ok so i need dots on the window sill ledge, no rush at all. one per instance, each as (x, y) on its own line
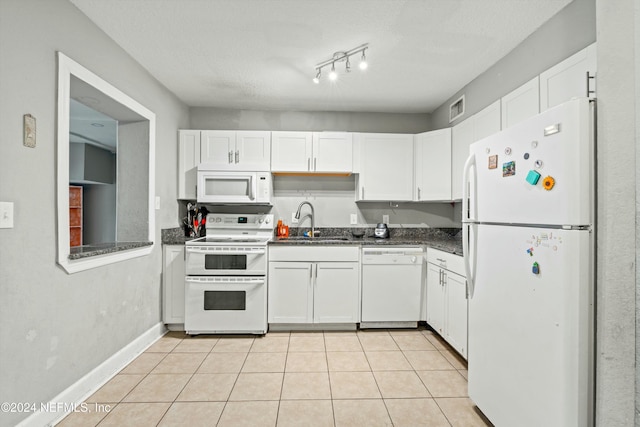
(93, 256)
(87, 251)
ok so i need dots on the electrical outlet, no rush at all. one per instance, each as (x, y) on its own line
(294, 220)
(6, 214)
(385, 219)
(354, 219)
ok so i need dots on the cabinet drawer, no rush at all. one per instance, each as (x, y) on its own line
(313, 253)
(446, 260)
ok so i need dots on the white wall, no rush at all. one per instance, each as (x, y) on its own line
(637, 73)
(616, 209)
(54, 327)
(133, 189)
(317, 121)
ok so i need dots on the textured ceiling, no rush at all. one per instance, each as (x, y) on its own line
(261, 54)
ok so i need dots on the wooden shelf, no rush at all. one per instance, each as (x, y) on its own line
(75, 216)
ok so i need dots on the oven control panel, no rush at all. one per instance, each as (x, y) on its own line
(235, 221)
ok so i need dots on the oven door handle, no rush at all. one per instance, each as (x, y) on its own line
(225, 252)
(208, 280)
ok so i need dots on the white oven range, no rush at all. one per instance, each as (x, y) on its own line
(226, 283)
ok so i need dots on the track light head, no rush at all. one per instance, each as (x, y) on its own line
(333, 76)
(316, 79)
(363, 61)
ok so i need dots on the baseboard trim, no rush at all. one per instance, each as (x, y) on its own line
(91, 382)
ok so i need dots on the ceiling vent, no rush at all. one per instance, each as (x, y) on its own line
(456, 109)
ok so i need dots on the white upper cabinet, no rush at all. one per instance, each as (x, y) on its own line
(217, 148)
(569, 79)
(433, 166)
(291, 151)
(332, 152)
(487, 122)
(482, 124)
(236, 150)
(253, 150)
(312, 152)
(521, 104)
(386, 167)
(461, 138)
(188, 160)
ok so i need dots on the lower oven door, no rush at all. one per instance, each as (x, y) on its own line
(225, 305)
(226, 261)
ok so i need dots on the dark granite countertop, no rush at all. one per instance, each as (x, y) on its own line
(444, 239)
(174, 236)
(86, 251)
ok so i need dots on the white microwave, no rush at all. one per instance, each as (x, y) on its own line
(245, 188)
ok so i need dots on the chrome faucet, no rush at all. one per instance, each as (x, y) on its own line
(313, 228)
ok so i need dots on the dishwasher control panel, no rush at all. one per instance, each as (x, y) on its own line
(392, 256)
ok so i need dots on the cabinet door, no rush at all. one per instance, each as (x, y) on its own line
(217, 149)
(456, 312)
(433, 166)
(435, 298)
(332, 152)
(568, 79)
(290, 292)
(521, 104)
(253, 151)
(487, 122)
(336, 292)
(173, 284)
(461, 139)
(188, 160)
(291, 151)
(386, 167)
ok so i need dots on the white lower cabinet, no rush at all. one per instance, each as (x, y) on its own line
(447, 308)
(173, 284)
(313, 285)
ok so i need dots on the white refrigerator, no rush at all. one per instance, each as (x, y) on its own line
(528, 213)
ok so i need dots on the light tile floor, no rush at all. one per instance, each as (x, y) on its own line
(365, 378)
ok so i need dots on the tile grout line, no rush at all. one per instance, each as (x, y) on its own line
(284, 373)
(326, 356)
(134, 387)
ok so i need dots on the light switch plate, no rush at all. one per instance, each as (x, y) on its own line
(385, 219)
(157, 202)
(6, 214)
(294, 220)
(354, 219)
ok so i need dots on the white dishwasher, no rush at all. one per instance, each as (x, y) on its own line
(392, 290)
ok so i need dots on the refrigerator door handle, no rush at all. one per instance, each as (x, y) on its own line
(467, 223)
(470, 250)
(467, 214)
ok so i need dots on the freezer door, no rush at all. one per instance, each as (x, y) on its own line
(530, 327)
(537, 172)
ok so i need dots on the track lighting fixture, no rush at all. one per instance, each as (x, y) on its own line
(341, 57)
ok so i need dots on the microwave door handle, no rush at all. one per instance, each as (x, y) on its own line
(252, 188)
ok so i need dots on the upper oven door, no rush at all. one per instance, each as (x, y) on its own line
(226, 261)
